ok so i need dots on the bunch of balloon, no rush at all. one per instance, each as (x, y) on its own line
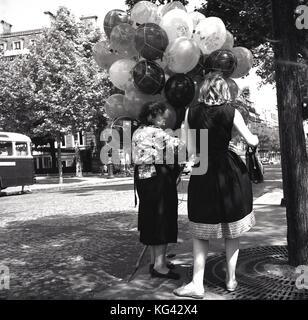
(162, 53)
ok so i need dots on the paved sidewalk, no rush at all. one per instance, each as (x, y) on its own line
(269, 231)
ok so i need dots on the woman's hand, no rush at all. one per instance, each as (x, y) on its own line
(241, 127)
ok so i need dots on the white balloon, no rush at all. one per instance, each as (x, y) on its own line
(196, 17)
(210, 34)
(182, 55)
(145, 12)
(177, 23)
(120, 73)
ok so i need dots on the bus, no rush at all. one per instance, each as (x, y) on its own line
(16, 161)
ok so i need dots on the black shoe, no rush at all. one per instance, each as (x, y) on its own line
(169, 275)
(170, 266)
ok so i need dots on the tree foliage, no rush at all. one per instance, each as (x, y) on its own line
(57, 88)
(251, 24)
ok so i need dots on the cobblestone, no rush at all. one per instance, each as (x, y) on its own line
(75, 242)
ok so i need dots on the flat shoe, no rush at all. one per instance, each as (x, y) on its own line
(170, 265)
(169, 275)
(231, 287)
(188, 293)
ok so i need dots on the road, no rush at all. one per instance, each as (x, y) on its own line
(73, 243)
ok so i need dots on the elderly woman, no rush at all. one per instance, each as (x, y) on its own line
(156, 186)
(220, 200)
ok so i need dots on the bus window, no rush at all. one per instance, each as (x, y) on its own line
(21, 148)
(6, 148)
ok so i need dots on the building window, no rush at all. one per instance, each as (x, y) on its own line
(47, 162)
(63, 141)
(79, 138)
(1, 47)
(17, 45)
(32, 42)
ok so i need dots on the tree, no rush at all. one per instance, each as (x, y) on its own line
(293, 151)
(70, 90)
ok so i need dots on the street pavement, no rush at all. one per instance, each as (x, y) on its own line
(80, 240)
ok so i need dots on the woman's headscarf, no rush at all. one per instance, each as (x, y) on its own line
(214, 90)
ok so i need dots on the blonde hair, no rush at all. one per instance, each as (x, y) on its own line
(214, 90)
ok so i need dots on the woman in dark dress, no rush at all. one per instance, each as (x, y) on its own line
(156, 187)
(219, 201)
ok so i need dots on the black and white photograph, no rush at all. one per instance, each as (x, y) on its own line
(154, 154)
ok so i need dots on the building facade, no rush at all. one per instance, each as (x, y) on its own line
(13, 44)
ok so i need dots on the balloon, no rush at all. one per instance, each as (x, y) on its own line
(151, 41)
(121, 73)
(182, 55)
(229, 43)
(170, 116)
(134, 101)
(196, 17)
(170, 6)
(221, 60)
(144, 12)
(114, 106)
(104, 55)
(180, 90)
(244, 62)
(210, 34)
(122, 39)
(177, 23)
(199, 69)
(233, 88)
(149, 77)
(113, 18)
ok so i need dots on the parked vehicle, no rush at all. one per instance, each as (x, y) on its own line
(16, 161)
(265, 161)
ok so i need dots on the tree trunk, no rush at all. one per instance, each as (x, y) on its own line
(53, 153)
(292, 141)
(78, 162)
(59, 159)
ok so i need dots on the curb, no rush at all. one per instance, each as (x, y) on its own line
(53, 187)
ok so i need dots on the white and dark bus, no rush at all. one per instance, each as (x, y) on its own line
(16, 161)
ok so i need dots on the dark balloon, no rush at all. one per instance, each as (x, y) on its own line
(221, 60)
(180, 90)
(113, 18)
(151, 41)
(199, 69)
(149, 77)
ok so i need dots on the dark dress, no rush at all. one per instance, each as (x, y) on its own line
(158, 207)
(220, 201)
(156, 186)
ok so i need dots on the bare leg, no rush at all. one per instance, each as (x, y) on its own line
(232, 251)
(200, 250)
(160, 258)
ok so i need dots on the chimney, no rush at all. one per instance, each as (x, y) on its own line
(6, 27)
(51, 15)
